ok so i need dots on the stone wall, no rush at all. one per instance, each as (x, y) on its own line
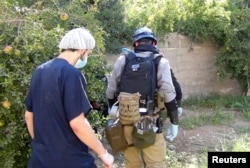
(193, 65)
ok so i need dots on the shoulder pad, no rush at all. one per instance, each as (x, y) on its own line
(156, 56)
(130, 56)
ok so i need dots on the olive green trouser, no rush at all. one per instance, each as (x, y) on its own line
(150, 157)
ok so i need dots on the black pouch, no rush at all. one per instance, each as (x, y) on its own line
(115, 135)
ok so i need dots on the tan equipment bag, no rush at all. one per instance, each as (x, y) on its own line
(129, 108)
(161, 106)
(115, 135)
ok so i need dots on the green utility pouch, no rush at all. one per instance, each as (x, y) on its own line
(143, 134)
(115, 135)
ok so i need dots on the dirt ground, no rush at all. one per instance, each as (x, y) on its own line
(210, 137)
(193, 141)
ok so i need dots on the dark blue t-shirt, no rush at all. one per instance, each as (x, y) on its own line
(56, 96)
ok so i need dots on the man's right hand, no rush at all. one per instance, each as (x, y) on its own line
(107, 160)
(172, 132)
(179, 111)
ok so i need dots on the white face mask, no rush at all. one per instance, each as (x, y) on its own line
(81, 63)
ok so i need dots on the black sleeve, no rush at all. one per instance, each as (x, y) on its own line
(177, 86)
(111, 102)
(172, 112)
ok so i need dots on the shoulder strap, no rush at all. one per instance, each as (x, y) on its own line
(156, 61)
(128, 57)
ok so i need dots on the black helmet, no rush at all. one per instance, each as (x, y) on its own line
(143, 32)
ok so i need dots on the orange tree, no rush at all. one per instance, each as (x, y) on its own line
(29, 35)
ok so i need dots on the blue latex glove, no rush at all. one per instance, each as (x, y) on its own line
(179, 111)
(172, 132)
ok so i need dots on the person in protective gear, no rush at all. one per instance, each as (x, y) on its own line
(144, 43)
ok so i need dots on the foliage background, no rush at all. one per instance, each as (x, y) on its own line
(33, 28)
(223, 21)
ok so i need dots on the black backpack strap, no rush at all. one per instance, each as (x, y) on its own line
(156, 61)
(130, 56)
